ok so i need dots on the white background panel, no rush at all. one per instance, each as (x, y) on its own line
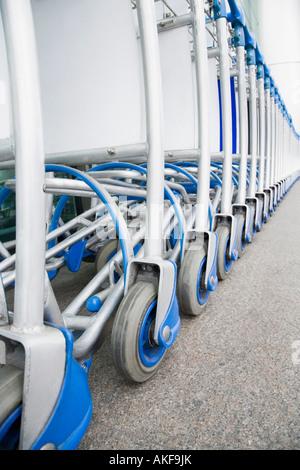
(179, 100)
(90, 73)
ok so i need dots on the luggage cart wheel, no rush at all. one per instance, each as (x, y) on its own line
(191, 292)
(224, 260)
(136, 356)
(241, 237)
(11, 392)
(105, 253)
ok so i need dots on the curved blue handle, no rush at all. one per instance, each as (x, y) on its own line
(267, 77)
(272, 87)
(250, 44)
(236, 14)
(219, 9)
(237, 18)
(260, 63)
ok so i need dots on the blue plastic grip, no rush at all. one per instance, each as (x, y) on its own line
(234, 8)
(236, 14)
(260, 71)
(267, 77)
(239, 35)
(267, 83)
(250, 44)
(260, 63)
(219, 9)
(237, 18)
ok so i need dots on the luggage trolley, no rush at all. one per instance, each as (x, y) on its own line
(260, 194)
(241, 210)
(38, 373)
(157, 270)
(225, 223)
(278, 158)
(147, 321)
(252, 200)
(268, 148)
(198, 271)
(157, 199)
(283, 147)
(37, 425)
(187, 145)
(273, 145)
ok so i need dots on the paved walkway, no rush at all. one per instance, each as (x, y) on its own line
(231, 380)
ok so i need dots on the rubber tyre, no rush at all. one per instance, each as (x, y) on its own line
(127, 332)
(241, 242)
(105, 253)
(223, 260)
(191, 293)
(11, 390)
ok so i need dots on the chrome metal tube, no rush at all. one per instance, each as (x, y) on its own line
(202, 80)
(131, 152)
(95, 156)
(166, 24)
(154, 120)
(222, 38)
(253, 131)
(102, 275)
(281, 174)
(243, 121)
(267, 181)
(97, 322)
(273, 142)
(28, 136)
(89, 337)
(262, 133)
(277, 115)
(65, 186)
(97, 280)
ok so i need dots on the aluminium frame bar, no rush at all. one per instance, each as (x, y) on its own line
(267, 182)
(262, 133)
(222, 38)
(154, 126)
(29, 163)
(253, 130)
(243, 121)
(202, 81)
